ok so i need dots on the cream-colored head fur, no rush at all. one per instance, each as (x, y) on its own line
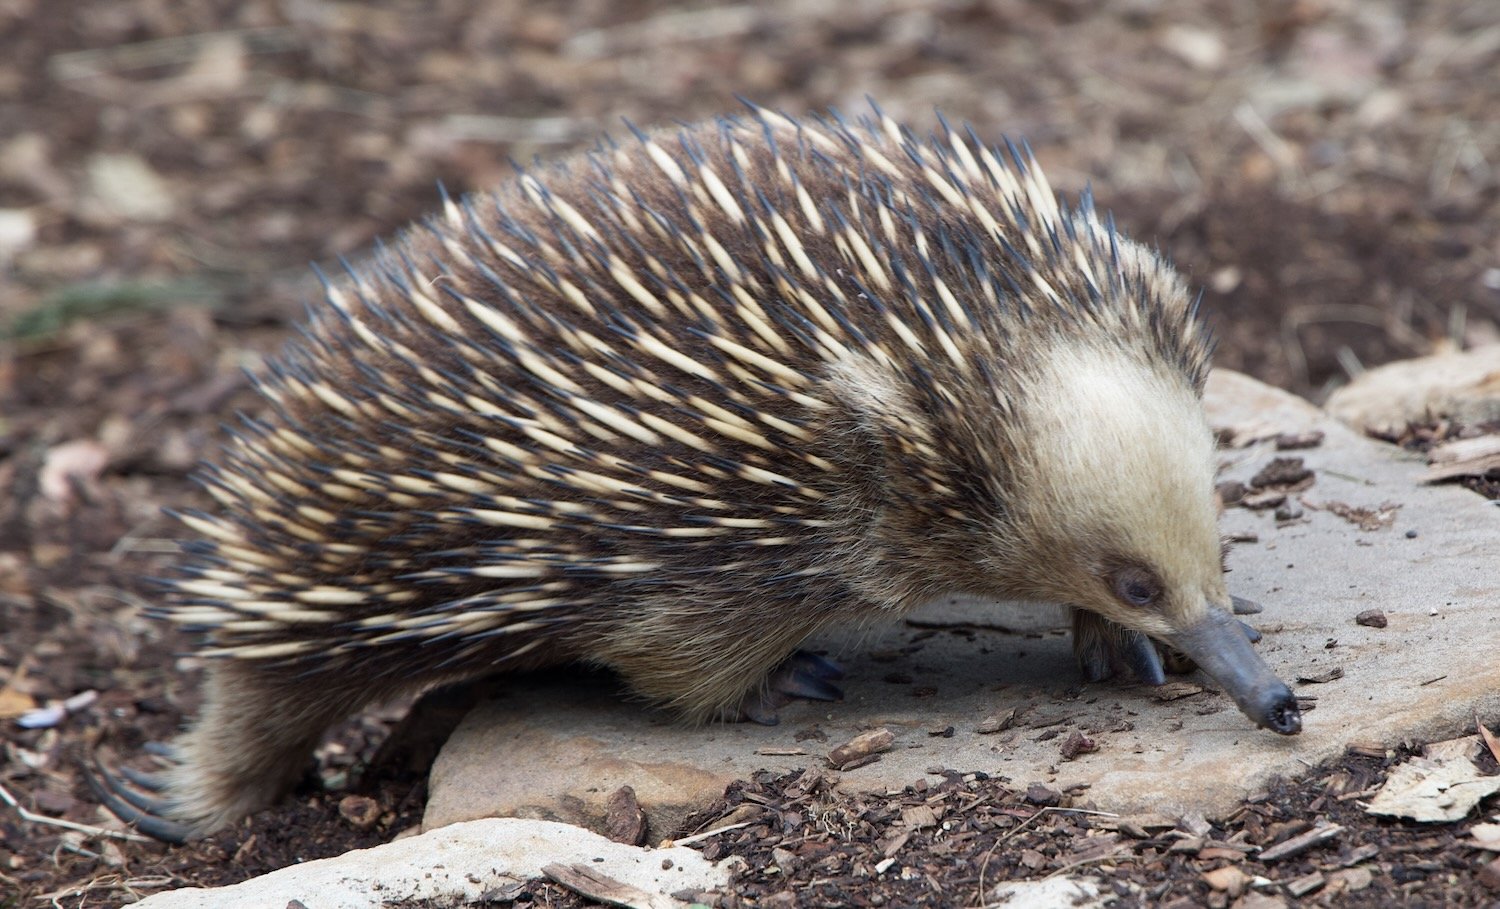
(1114, 489)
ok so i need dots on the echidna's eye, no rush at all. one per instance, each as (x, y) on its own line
(1136, 586)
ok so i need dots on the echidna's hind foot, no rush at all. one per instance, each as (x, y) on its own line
(254, 734)
(803, 675)
(1105, 649)
(144, 812)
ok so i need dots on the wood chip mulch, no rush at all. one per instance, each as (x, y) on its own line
(950, 842)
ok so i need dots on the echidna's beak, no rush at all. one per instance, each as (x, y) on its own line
(1221, 648)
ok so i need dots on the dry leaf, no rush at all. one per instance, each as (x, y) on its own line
(1442, 785)
(13, 703)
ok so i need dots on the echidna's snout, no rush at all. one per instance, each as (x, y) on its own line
(1220, 647)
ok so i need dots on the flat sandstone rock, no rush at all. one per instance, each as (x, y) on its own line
(458, 865)
(1369, 537)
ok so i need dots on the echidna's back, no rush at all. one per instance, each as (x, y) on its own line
(621, 383)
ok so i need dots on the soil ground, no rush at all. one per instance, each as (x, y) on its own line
(1327, 170)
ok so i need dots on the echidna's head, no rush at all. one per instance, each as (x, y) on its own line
(1113, 512)
(1091, 485)
(1112, 491)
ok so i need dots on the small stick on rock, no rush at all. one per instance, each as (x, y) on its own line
(585, 881)
(1301, 843)
(864, 745)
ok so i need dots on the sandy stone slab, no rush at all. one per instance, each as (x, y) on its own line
(1370, 536)
(456, 865)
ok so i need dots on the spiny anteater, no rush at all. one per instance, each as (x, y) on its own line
(673, 406)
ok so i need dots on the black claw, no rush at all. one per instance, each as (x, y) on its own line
(136, 800)
(799, 685)
(1090, 646)
(802, 675)
(815, 665)
(161, 749)
(133, 808)
(755, 708)
(806, 675)
(151, 782)
(1250, 631)
(1242, 606)
(1095, 664)
(1139, 653)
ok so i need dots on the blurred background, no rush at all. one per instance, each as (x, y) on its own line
(1326, 170)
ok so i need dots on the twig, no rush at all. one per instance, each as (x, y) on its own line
(35, 818)
(131, 885)
(1262, 134)
(1300, 843)
(1108, 856)
(1348, 477)
(164, 51)
(1397, 328)
(1458, 318)
(708, 833)
(1026, 823)
(718, 23)
(589, 882)
(1349, 360)
(1490, 742)
(530, 130)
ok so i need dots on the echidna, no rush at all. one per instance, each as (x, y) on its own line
(671, 407)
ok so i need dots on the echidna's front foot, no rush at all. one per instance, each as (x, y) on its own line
(1105, 648)
(145, 812)
(802, 675)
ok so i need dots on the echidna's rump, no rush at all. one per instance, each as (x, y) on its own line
(671, 407)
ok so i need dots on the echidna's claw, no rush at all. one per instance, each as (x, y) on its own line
(1139, 653)
(132, 807)
(1091, 645)
(807, 675)
(1094, 661)
(165, 750)
(802, 675)
(1242, 606)
(755, 708)
(809, 688)
(807, 662)
(151, 782)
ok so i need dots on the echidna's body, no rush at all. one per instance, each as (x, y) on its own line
(676, 405)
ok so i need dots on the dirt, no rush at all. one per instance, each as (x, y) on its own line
(1326, 171)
